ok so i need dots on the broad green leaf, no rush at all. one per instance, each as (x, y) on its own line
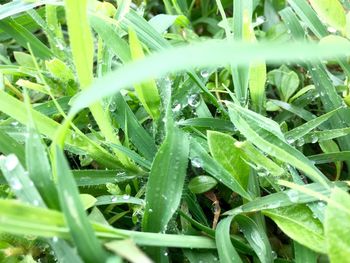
(165, 182)
(337, 226)
(19, 181)
(24, 59)
(201, 184)
(200, 157)
(147, 91)
(331, 11)
(299, 223)
(256, 237)
(254, 156)
(224, 151)
(227, 253)
(272, 145)
(80, 228)
(286, 81)
(303, 254)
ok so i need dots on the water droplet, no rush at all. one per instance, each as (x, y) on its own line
(293, 195)
(36, 202)
(11, 162)
(300, 142)
(314, 138)
(204, 73)
(121, 173)
(150, 210)
(126, 197)
(15, 123)
(177, 107)
(331, 30)
(194, 100)
(16, 184)
(112, 106)
(290, 140)
(166, 254)
(262, 171)
(274, 254)
(196, 162)
(55, 239)
(89, 126)
(114, 198)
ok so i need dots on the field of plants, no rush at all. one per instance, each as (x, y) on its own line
(174, 131)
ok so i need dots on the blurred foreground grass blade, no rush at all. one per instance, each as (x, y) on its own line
(206, 53)
(16, 7)
(299, 223)
(303, 254)
(227, 253)
(19, 181)
(165, 183)
(17, 110)
(128, 250)
(146, 91)
(242, 12)
(81, 43)
(25, 38)
(274, 146)
(256, 237)
(330, 157)
(77, 221)
(38, 166)
(337, 226)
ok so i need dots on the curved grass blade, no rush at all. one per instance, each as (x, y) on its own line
(227, 253)
(80, 228)
(210, 123)
(330, 157)
(326, 135)
(206, 53)
(114, 199)
(9, 145)
(256, 237)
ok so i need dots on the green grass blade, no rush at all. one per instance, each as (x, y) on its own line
(9, 145)
(80, 228)
(207, 53)
(256, 237)
(25, 38)
(304, 254)
(166, 181)
(227, 253)
(274, 146)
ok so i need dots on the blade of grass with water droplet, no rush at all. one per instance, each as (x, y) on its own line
(256, 237)
(273, 145)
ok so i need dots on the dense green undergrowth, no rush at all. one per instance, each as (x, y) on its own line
(174, 131)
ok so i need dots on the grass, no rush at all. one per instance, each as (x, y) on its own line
(174, 131)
